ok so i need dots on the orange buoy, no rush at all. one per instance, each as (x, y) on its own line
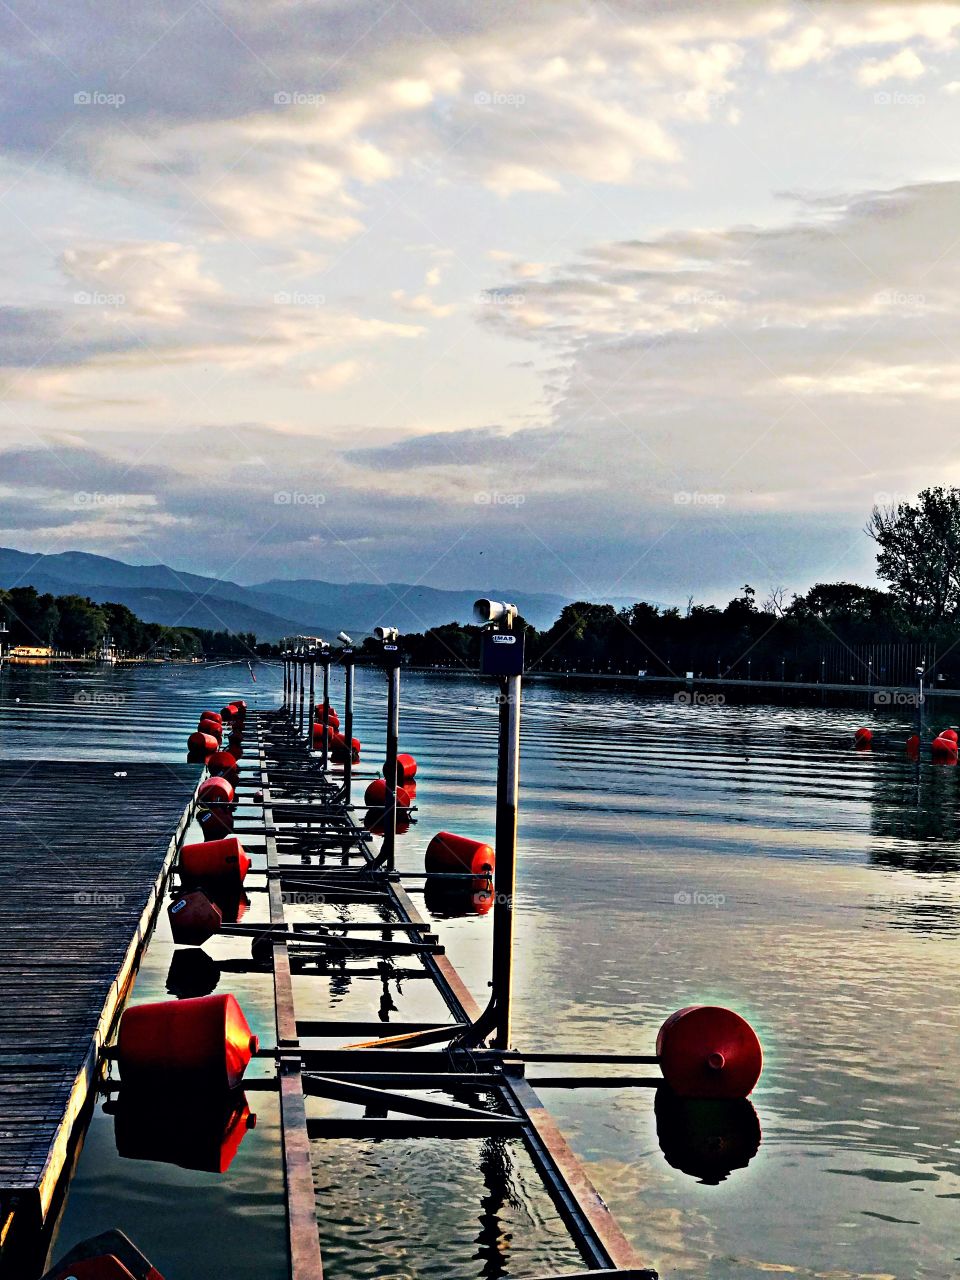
(206, 1040)
(202, 743)
(406, 768)
(375, 795)
(944, 750)
(194, 918)
(214, 860)
(224, 765)
(449, 853)
(863, 737)
(218, 790)
(706, 1051)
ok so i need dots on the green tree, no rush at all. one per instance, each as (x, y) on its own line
(919, 552)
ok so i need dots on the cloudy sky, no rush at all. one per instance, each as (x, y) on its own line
(617, 298)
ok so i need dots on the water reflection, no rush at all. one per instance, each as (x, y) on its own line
(706, 1138)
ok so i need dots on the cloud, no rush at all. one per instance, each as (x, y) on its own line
(904, 65)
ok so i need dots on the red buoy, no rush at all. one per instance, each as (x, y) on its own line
(332, 717)
(318, 735)
(223, 764)
(375, 795)
(709, 1052)
(211, 715)
(949, 733)
(214, 860)
(109, 1256)
(913, 745)
(406, 768)
(449, 853)
(338, 748)
(213, 727)
(240, 705)
(944, 750)
(230, 712)
(202, 744)
(216, 822)
(194, 918)
(863, 737)
(215, 791)
(206, 1040)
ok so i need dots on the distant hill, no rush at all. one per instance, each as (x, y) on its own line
(272, 609)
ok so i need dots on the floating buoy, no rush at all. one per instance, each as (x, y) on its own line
(406, 768)
(224, 765)
(213, 727)
(230, 712)
(221, 860)
(202, 744)
(205, 1041)
(110, 1256)
(339, 751)
(913, 745)
(375, 795)
(215, 823)
(218, 790)
(949, 733)
(194, 918)
(863, 737)
(212, 715)
(449, 853)
(240, 705)
(319, 732)
(706, 1051)
(944, 750)
(332, 717)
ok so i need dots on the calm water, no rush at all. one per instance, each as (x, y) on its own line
(669, 855)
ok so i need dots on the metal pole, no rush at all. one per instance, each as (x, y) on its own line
(284, 657)
(390, 764)
(313, 668)
(326, 701)
(348, 725)
(505, 875)
(302, 662)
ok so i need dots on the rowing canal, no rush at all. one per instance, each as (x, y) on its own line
(669, 854)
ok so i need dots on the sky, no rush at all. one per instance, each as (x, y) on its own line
(617, 299)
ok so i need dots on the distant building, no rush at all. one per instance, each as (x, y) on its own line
(30, 653)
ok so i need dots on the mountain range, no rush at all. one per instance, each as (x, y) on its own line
(157, 593)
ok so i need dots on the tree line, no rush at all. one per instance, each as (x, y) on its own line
(76, 625)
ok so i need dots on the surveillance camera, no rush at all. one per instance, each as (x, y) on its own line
(495, 611)
(389, 635)
(344, 638)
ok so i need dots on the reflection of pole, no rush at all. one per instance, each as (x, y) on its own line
(920, 701)
(326, 699)
(348, 725)
(285, 681)
(494, 1165)
(390, 764)
(505, 876)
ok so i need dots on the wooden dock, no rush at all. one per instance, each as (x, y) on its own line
(85, 850)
